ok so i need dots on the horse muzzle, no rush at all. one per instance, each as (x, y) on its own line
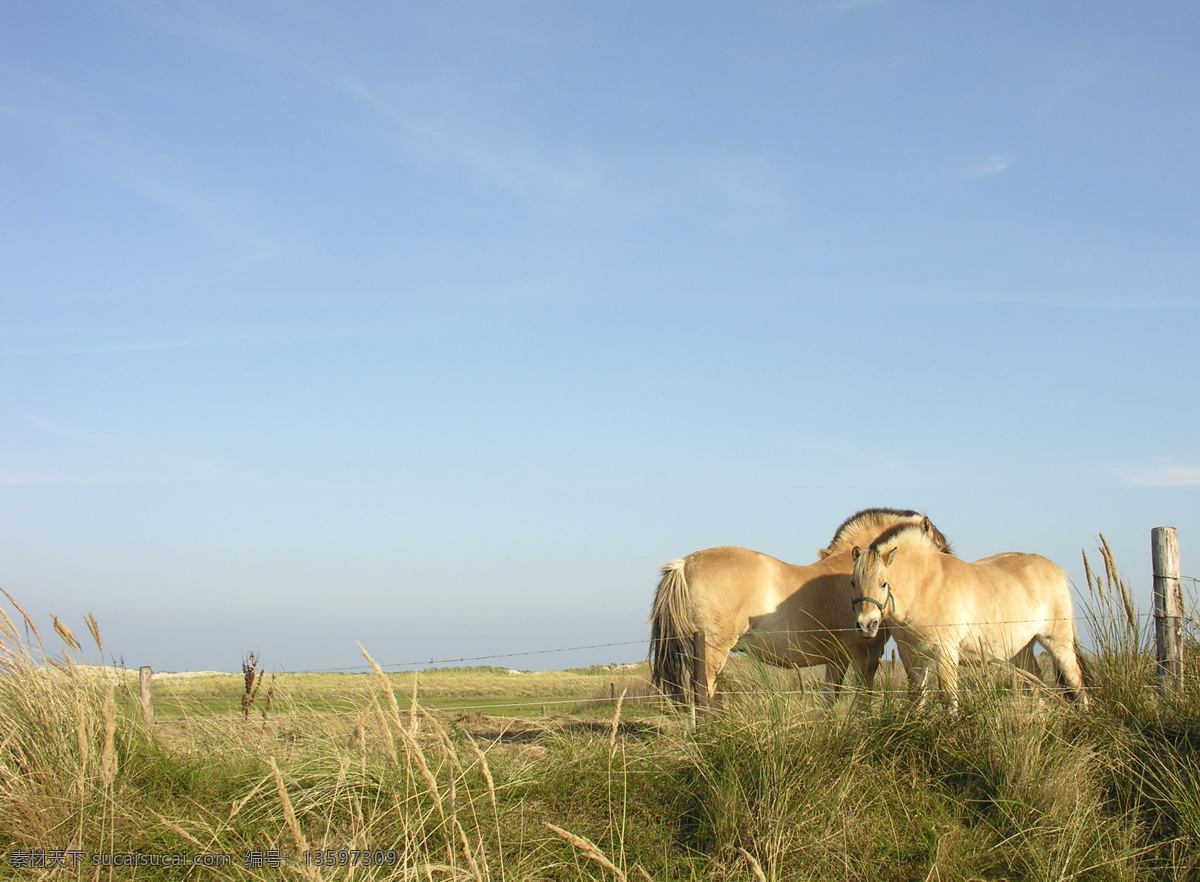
(867, 630)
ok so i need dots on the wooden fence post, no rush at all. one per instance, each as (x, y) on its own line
(699, 669)
(1168, 608)
(147, 698)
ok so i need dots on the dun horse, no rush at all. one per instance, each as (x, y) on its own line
(788, 615)
(942, 610)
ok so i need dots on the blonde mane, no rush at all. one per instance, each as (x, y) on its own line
(923, 533)
(863, 527)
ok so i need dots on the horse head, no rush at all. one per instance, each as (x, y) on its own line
(873, 594)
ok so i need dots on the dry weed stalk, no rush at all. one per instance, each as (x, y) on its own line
(588, 849)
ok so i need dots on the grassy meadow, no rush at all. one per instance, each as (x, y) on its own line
(482, 774)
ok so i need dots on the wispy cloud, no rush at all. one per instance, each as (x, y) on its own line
(1161, 476)
(493, 155)
(112, 148)
(992, 164)
(72, 458)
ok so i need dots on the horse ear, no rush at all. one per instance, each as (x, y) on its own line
(927, 525)
(888, 555)
(854, 552)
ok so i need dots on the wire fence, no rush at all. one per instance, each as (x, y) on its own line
(775, 634)
(1141, 623)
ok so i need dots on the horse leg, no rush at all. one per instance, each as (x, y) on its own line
(1062, 650)
(866, 660)
(868, 663)
(947, 671)
(1026, 661)
(916, 665)
(715, 657)
(835, 673)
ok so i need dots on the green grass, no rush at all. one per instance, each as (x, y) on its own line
(1013, 786)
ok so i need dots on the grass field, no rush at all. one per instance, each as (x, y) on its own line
(494, 775)
(492, 690)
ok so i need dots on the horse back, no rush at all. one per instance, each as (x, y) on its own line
(1014, 582)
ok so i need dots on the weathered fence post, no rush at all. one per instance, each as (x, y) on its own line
(699, 670)
(147, 698)
(1168, 608)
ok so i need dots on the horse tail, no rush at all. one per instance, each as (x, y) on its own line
(671, 633)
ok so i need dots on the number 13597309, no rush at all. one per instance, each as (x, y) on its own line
(350, 857)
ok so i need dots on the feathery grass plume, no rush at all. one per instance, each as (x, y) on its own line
(94, 629)
(484, 768)
(413, 722)
(486, 771)
(1093, 589)
(175, 828)
(29, 625)
(1110, 567)
(466, 848)
(358, 739)
(65, 633)
(7, 628)
(386, 729)
(387, 686)
(587, 848)
(616, 722)
(289, 813)
(755, 866)
(413, 749)
(442, 734)
(241, 803)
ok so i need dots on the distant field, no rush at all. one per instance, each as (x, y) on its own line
(496, 691)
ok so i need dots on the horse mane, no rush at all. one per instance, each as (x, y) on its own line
(922, 533)
(863, 528)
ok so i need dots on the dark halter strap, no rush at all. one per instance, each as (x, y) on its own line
(882, 606)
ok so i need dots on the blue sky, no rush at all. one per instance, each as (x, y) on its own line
(441, 327)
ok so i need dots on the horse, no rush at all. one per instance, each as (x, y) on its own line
(785, 614)
(943, 610)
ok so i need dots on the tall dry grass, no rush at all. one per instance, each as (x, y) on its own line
(1018, 784)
